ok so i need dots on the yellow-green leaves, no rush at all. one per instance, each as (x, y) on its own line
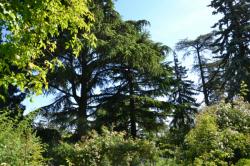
(18, 143)
(110, 148)
(29, 29)
(221, 133)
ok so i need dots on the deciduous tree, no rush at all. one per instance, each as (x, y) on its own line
(28, 28)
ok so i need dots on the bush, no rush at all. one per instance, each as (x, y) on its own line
(221, 135)
(110, 148)
(243, 162)
(18, 143)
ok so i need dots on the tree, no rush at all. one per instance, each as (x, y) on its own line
(138, 77)
(232, 44)
(120, 52)
(28, 28)
(221, 135)
(12, 98)
(185, 104)
(76, 83)
(197, 47)
(18, 143)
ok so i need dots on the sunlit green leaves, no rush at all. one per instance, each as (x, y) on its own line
(110, 148)
(28, 30)
(18, 143)
(221, 134)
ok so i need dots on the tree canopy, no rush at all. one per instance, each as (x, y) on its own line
(27, 32)
(118, 99)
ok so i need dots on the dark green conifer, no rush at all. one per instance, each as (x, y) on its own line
(138, 77)
(77, 82)
(186, 106)
(233, 44)
(197, 48)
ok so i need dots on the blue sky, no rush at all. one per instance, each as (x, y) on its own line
(171, 20)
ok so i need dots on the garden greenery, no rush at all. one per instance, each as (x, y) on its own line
(18, 143)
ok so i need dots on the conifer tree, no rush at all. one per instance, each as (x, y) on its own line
(122, 54)
(214, 81)
(76, 83)
(197, 47)
(186, 106)
(232, 43)
(138, 77)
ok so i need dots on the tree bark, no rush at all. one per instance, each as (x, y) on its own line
(205, 92)
(82, 124)
(132, 113)
(82, 121)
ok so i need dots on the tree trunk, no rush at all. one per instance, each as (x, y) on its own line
(205, 92)
(132, 107)
(132, 117)
(82, 121)
(82, 126)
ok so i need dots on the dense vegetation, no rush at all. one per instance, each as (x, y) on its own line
(115, 91)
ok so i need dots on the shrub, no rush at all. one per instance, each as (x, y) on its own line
(110, 148)
(221, 135)
(243, 162)
(18, 143)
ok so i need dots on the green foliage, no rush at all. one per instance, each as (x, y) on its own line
(183, 96)
(243, 162)
(12, 101)
(117, 80)
(125, 67)
(221, 135)
(243, 89)
(197, 48)
(109, 148)
(138, 77)
(75, 85)
(168, 162)
(18, 143)
(232, 45)
(28, 30)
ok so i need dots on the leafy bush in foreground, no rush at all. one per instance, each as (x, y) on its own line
(18, 143)
(221, 135)
(110, 148)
